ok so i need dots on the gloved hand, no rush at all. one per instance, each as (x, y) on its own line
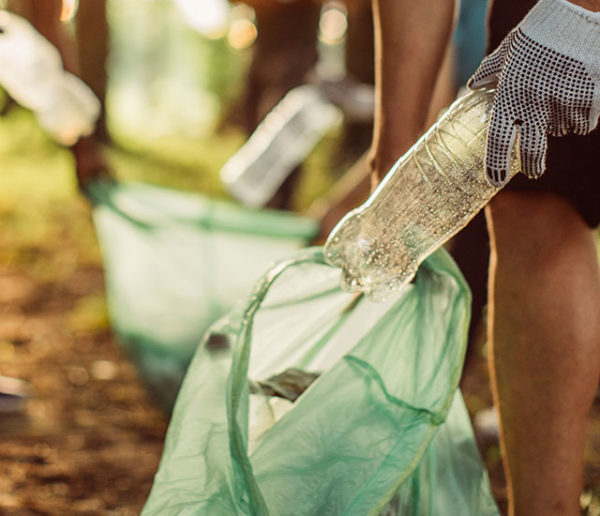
(547, 78)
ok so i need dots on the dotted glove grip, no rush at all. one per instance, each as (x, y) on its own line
(547, 78)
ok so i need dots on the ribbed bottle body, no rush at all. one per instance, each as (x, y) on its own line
(429, 195)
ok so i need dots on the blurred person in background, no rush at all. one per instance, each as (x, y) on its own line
(285, 55)
(284, 52)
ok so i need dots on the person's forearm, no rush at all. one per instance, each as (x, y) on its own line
(410, 41)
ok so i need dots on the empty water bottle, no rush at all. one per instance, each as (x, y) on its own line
(281, 142)
(355, 99)
(429, 195)
(31, 71)
(70, 111)
(27, 59)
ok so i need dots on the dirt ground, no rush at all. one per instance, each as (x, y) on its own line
(90, 439)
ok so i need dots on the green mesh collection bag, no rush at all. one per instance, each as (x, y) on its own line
(312, 401)
(175, 262)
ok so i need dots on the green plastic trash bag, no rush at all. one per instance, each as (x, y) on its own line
(378, 425)
(175, 262)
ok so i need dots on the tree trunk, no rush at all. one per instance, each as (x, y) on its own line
(92, 44)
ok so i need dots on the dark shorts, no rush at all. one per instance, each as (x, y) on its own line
(572, 161)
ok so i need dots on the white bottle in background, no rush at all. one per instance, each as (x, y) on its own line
(429, 195)
(280, 143)
(32, 73)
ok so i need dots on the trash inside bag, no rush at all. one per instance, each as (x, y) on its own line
(174, 263)
(310, 400)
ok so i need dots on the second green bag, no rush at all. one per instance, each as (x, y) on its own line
(174, 263)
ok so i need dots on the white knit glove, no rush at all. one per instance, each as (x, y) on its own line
(547, 78)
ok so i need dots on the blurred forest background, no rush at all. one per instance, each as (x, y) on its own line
(90, 437)
(178, 103)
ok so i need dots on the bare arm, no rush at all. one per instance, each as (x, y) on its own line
(410, 41)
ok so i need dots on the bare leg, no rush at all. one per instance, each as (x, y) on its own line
(545, 338)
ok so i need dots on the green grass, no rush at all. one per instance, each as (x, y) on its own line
(175, 162)
(41, 212)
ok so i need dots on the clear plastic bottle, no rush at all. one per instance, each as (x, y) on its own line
(27, 60)
(31, 71)
(429, 195)
(280, 143)
(70, 111)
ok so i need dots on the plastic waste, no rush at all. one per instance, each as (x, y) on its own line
(175, 262)
(14, 395)
(280, 143)
(355, 99)
(377, 425)
(31, 71)
(429, 195)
